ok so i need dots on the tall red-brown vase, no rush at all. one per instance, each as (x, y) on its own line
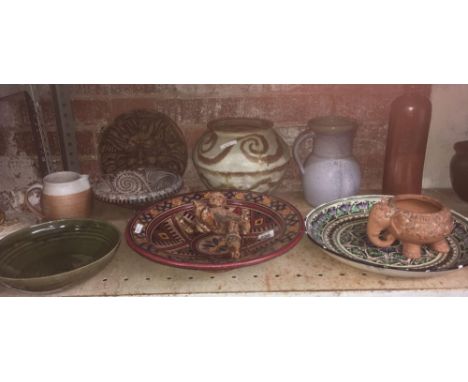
(410, 117)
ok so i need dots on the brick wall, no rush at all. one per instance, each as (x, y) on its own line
(192, 106)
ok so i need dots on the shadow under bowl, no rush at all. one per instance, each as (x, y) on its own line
(56, 254)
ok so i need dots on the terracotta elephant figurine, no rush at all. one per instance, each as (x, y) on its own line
(414, 220)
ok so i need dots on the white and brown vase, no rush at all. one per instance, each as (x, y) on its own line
(63, 194)
(242, 154)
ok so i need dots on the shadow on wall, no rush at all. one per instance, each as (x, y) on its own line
(449, 124)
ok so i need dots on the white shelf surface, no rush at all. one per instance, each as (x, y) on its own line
(304, 270)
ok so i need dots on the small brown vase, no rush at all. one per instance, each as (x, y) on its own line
(408, 129)
(414, 220)
(459, 170)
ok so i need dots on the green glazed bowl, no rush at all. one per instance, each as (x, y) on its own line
(56, 254)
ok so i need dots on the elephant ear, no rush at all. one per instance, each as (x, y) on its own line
(383, 208)
(385, 200)
(398, 222)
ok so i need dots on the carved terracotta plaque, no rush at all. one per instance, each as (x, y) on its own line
(143, 138)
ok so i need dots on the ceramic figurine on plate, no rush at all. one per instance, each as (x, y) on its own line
(215, 230)
(414, 220)
(242, 154)
(341, 227)
(330, 171)
(215, 217)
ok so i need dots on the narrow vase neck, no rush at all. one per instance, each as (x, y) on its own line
(334, 146)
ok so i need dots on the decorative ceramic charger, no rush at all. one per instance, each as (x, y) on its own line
(339, 227)
(143, 138)
(136, 187)
(276, 227)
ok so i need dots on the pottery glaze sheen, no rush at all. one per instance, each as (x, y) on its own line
(330, 172)
(241, 153)
(408, 129)
(64, 194)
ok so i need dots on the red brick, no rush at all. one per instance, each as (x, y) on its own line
(170, 107)
(364, 108)
(84, 139)
(374, 89)
(300, 88)
(280, 108)
(202, 110)
(88, 90)
(371, 103)
(191, 178)
(367, 89)
(86, 143)
(421, 89)
(125, 105)
(221, 90)
(90, 113)
(372, 178)
(293, 108)
(142, 89)
(24, 141)
(208, 90)
(246, 90)
(89, 166)
(372, 131)
(192, 135)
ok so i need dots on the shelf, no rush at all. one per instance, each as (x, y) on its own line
(305, 270)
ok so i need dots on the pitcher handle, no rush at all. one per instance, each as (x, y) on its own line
(33, 209)
(297, 144)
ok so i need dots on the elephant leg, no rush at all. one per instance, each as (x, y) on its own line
(441, 246)
(411, 251)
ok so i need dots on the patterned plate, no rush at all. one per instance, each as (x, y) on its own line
(276, 227)
(143, 138)
(136, 188)
(339, 227)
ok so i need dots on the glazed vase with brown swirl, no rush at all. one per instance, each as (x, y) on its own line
(242, 154)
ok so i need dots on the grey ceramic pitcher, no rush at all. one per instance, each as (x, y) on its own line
(330, 171)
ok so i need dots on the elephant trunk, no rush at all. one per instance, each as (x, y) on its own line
(375, 239)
